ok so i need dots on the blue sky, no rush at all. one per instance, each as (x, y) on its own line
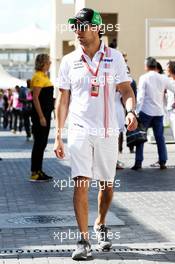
(17, 14)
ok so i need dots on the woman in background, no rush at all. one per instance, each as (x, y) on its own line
(43, 105)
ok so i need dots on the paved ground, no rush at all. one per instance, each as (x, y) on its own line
(144, 200)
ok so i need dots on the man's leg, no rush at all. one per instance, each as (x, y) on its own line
(27, 122)
(139, 154)
(81, 152)
(80, 200)
(104, 170)
(10, 119)
(120, 142)
(146, 121)
(40, 142)
(105, 153)
(20, 116)
(157, 125)
(104, 201)
(15, 119)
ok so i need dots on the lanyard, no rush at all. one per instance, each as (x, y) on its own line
(90, 69)
(106, 88)
(106, 97)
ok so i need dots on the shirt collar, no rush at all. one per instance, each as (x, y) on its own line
(102, 48)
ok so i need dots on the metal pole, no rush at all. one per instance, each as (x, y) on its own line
(54, 41)
(79, 4)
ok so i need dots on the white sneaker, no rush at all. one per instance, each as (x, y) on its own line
(83, 250)
(102, 237)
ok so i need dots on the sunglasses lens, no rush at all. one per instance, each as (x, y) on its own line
(79, 27)
(73, 28)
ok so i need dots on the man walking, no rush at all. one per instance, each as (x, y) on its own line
(87, 81)
(150, 107)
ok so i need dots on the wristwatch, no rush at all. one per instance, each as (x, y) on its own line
(131, 111)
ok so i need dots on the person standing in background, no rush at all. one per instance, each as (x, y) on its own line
(25, 97)
(171, 96)
(160, 70)
(1, 107)
(134, 88)
(43, 105)
(10, 109)
(113, 44)
(120, 112)
(150, 107)
(1, 110)
(17, 110)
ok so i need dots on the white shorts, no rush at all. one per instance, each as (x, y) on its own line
(93, 156)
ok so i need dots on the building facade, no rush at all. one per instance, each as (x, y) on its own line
(133, 17)
(19, 49)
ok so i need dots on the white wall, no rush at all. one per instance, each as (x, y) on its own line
(60, 15)
(131, 16)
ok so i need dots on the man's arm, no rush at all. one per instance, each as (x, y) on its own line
(170, 85)
(140, 94)
(61, 111)
(36, 102)
(128, 98)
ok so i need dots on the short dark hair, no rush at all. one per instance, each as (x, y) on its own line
(28, 83)
(17, 87)
(151, 63)
(171, 66)
(159, 68)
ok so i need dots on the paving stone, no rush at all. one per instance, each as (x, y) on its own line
(144, 201)
(11, 261)
(26, 261)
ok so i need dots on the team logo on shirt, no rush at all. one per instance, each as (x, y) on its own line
(78, 64)
(108, 60)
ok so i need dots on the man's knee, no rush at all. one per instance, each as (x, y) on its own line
(106, 186)
(159, 138)
(81, 183)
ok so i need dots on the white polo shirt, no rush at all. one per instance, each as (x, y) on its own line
(150, 93)
(85, 110)
(171, 95)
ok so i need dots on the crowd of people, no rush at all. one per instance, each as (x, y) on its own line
(155, 101)
(155, 90)
(155, 105)
(30, 108)
(16, 109)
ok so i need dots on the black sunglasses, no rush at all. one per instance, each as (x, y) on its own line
(80, 27)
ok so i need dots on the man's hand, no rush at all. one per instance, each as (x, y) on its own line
(131, 122)
(59, 148)
(173, 105)
(43, 121)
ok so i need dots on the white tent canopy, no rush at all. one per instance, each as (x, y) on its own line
(28, 38)
(8, 81)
